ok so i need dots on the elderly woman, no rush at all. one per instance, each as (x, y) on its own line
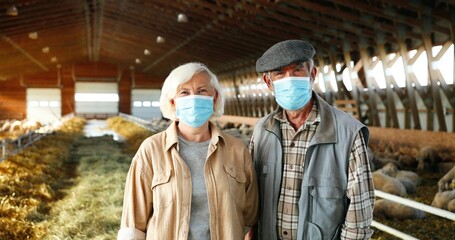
(191, 181)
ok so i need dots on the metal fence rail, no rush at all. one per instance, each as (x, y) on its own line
(410, 203)
(392, 231)
(12, 147)
(143, 123)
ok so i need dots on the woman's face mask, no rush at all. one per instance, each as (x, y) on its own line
(292, 93)
(194, 110)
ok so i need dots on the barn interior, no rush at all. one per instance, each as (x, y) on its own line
(388, 63)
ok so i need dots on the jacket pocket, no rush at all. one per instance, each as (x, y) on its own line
(327, 208)
(314, 233)
(236, 179)
(235, 173)
(162, 189)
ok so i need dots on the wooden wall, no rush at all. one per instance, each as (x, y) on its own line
(12, 100)
(13, 91)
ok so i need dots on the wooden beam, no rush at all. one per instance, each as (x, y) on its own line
(97, 28)
(373, 114)
(411, 105)
(357, 87)
(434, 86)
(24, 52)
(391, 113)
(319, 23)
(379, 12)
(89, 31)
(419, 7)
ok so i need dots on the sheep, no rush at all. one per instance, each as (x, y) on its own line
(393, 210)
(388, 184)
(407, 157)
(409, 179)
(31, 125)
(451, 205)
(407, 161)
(428, 158)
(246, 130)
(15, 126)
(445, 200)
(447, 182)
(5, 127)
(445, 167)
(382, 161)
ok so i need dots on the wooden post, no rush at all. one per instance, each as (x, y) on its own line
(434, 85)
(373, 113)
(391, 111)
(357, 87)
(409, 88)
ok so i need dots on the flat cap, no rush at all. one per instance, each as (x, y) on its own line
(283, 54)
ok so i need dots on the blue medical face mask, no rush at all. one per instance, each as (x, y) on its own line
(292, 93)
(194, 110)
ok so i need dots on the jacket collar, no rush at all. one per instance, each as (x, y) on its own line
(172, 135)
(325, 132)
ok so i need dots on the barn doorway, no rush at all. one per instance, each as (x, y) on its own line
(44, 104)
(145, 103)
(96, 99)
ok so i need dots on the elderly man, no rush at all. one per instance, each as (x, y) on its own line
(314, 177)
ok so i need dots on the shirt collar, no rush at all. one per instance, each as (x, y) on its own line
(172, 135)
(313, 117)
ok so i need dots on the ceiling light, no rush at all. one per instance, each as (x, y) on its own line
(182, 18)
(138, 61)
(45, 50)
(54, 59)
(160, 39)
(12, 11)
(33, 35)
(146, 52)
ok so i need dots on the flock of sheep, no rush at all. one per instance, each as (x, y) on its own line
(14, 128)
(389, 178)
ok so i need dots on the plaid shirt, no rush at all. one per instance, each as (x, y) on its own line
(295, 145)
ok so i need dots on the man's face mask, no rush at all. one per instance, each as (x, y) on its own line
(194, 110)
(292, 93)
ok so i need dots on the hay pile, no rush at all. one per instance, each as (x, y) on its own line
(133, 133)
(28, 182)
(92, 204)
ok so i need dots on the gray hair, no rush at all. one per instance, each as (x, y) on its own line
(310, 66)
(181, 75)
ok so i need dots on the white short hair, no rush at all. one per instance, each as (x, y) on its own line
(181, 75)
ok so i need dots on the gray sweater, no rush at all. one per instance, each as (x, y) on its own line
(195, 155)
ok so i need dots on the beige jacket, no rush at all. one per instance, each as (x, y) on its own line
(158, 189)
